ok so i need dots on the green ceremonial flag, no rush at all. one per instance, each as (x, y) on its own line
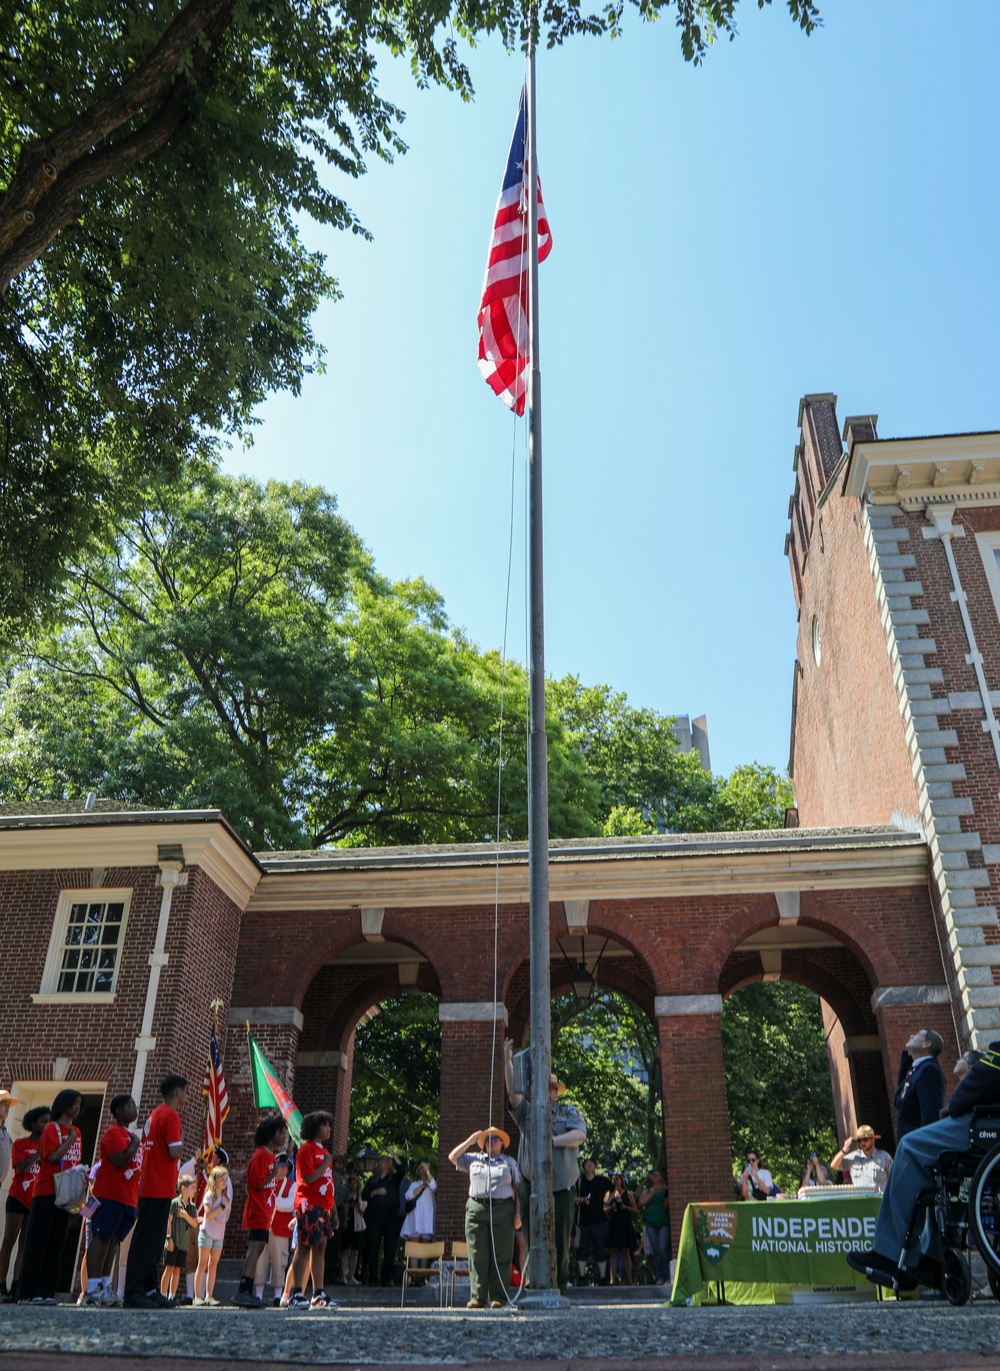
(268, 1091)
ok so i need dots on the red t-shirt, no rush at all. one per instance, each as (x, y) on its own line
(260, 1191)
(158, 1176)
(23, 1182)
(53, 1137)
(281, 1219)
(309, 1156)
(119, 1183)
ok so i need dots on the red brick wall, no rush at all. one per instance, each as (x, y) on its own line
(850, 764)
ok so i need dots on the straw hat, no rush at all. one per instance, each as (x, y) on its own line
(492, 1132)
(557, 1084)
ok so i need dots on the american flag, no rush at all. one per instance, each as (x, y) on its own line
(214, 1089)
(503, 311)
(90, 1208)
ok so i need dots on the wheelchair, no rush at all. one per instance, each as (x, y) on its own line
(962, 1210)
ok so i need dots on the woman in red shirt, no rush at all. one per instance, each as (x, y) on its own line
(59, 1149)
(24, 1166)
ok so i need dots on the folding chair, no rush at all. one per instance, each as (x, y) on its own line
(458, 1266)
(422, 1259)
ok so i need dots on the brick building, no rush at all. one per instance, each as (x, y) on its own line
(120, 927)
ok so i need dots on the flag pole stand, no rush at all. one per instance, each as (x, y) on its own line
(543, 1290)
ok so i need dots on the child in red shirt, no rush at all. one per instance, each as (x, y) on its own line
(24, 1168)
(117, 1188)
(161, 1151)
(315, 1215)
(59, 1149)
(266, 1169)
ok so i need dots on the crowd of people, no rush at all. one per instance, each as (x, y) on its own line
(155, 1227)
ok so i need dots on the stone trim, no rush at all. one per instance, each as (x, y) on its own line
(472, 1011)
(371, 924)
(891, 996)
(788, 907)
(926, 725)
(321, 1059)
(266, 1014)
(665, 1005)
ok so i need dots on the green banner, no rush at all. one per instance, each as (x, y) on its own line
(784, 1242)
(268, 1092)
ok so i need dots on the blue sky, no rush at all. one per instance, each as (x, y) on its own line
(798, 215)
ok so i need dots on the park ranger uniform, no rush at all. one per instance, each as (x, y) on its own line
(492, 1185)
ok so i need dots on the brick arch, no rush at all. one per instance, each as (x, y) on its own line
(745, 968)
(623, 979)
(322, 945)
(604, 921)
(352, 1008)
(825, 914)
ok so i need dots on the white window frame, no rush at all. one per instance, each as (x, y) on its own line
(50, 992)
(989, 545)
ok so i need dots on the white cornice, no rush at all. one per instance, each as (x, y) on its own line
(961, 468)
(606, 877)
(210, 846)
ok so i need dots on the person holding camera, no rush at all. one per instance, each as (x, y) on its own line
(865, 1164)
(756, 1182)
(815, 1173)
(266, 1169)
(621, 1209)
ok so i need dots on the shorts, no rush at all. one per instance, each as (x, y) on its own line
(14, 1206)
(112, 1219)
(258, 1234)
(314, 1225)
(206, 1241)
(176, 1258)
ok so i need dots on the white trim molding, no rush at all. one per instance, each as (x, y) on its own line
(472, 1011)
(666, 1005)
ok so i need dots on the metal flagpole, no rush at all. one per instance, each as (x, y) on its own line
(542, 1251)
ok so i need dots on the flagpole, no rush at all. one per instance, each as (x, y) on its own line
(542, 1250)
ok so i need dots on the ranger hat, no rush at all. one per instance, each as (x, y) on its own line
(492, 1132)
(866, 1131)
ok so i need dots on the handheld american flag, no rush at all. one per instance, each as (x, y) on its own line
(216, 1095)
(503, 311)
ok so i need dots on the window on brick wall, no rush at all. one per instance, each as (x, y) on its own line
(989, 548)
(86, 945)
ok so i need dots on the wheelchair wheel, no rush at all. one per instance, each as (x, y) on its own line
(957, 1279)
(984, 1211)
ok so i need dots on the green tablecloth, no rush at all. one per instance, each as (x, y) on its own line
(779, 1243)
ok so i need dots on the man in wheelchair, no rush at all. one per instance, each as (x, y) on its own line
(924, 1168)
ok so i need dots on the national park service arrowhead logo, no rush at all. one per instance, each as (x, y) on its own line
(715, 1232)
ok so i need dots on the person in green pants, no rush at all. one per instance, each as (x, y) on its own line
(569, 1133)
(490, 1213)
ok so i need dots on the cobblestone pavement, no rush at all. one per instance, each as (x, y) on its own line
(885, 1336)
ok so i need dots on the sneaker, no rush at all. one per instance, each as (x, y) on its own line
(198, 1302)
(322, 1300)
(111, 1299)
(496, 1304)
(213, 1303)
(474, 1304)
(140, 1301)
(246, 1299)
(37, 1299)
(90, 1298)
(296, 1301)
(49, 1299)
(276, 1302)
(161, 1301)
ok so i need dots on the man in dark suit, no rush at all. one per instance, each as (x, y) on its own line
(920, 1086)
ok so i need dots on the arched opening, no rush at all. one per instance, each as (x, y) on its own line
(607, 1052)
(778, 1079)
(396, 1077)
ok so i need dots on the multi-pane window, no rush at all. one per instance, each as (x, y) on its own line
(91, 947)
(85, 950)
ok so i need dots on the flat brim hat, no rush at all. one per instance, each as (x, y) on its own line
(7, 1098)
(560, 1086)
(866, 1131)
(493, 1133)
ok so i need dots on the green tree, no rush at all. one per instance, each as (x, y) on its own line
(396, 1082)
(753, 796)
(155, 160)
(778, 1077)
(606, 1051)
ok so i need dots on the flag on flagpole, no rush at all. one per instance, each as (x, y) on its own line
(504, 337)
(269, 1093)
(216, 1096)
